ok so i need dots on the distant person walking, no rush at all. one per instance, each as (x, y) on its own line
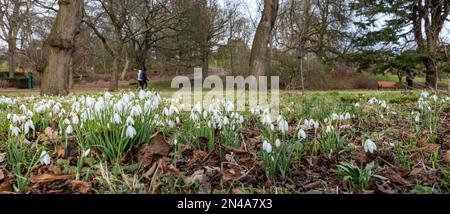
(410, 80)
(142, 79)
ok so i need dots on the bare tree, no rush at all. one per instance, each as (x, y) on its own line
(12, 17)
(260, 59)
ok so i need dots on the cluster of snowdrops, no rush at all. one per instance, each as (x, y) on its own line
(114, 123)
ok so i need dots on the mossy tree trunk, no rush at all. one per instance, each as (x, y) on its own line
(59, 47)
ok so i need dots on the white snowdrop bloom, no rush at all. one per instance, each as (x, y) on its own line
(76, 107)
(370, 146)
(307, 124)
(90, 102)
(23, 108)
(301, 134)
(69, 130)
(66, 121)
(266, 119)
(278, 143)
(373, 101)
(315, 124)
(193, 117)
(56, 108)
(75, 119)
(175, 142)
(334, 116)
(425, 94)
(205, 115)
(28, 126)
(142, 94)
(283, 126)
(166, 112)
(15, 118)
(272, 127)
(15, 131)
(417, 119)
(174, 110)
(130, 121)
(348, 116)
(29, 113)
(86, 153)
(357, 105)
(434, 98)
(329, 129)
(177, 120)
(241, 119)
(225, 121)
(45, 158)
(267, 147)
(136, 111)
(130, 132)
(197, 108)
(171, 124)
(383, 104)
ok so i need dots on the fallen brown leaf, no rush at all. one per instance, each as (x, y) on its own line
(2, 175)
(6, 186)
(200, 155)
(416, 171)
(447, 157)
(2, 157)
(80, 186)
(50, 133)
(197, 176)
(232, 172)
(396, 178)
(237, 191)
(158, 148)
(48, 178)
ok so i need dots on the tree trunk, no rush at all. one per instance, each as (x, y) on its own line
(12, 57)
(59, 47)
(125, 68)
(114, 84)
(260, 59)
(431, 74)
(205, 62)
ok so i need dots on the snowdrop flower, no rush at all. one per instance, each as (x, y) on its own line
(417, 119)
(136, 111)
(75, 119)
(177, 120)
(330, 129)
(334, 116)
(357, 105)
(347, 116)
(175, 142)
(373, 101)
(86, 153)
(130, 132)
(66, 121)
(266, 120)
(15, 118)
(272, 127)
(117, 119)
(301, 134)
(45, 158)
(23, 108)
(307, 123)
(267, 147)
(28, 126)
(142, 94)
(69, 130)
(15, 131)
(130, 121)
(434, 97)
(278, 143)
(370, 146)
(424, 94)
(283, 125)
